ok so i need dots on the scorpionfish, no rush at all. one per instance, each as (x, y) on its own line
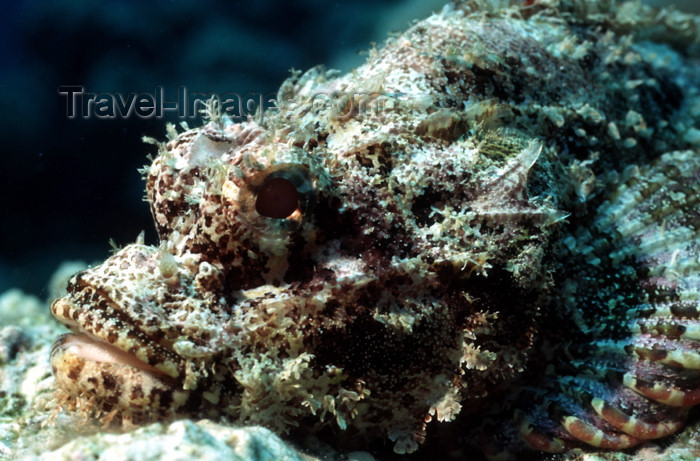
(482, 240)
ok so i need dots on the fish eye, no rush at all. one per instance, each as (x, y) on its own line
(277, 198)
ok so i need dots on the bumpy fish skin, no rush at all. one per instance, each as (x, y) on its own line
(494, 221)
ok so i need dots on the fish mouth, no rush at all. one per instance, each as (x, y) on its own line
(102, 334)
(108, 367)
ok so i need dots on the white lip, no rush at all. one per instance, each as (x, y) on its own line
(89, 348)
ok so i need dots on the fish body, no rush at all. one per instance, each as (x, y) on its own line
(488, 232)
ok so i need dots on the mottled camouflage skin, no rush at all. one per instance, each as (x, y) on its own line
(497, 223)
